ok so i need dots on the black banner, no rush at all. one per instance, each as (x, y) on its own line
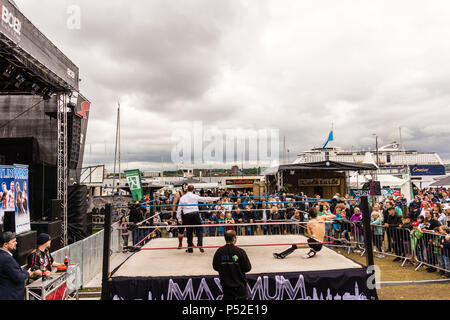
(344, 284)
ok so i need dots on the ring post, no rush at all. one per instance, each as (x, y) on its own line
(368, 239)
(106, 250)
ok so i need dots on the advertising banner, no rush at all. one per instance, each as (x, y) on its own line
(357, 193)
(345, 284)
(241, 182)
(22, 205)
(134, 182)
(14, 195)
(7, 192)
(424, 170)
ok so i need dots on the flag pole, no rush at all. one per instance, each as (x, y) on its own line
(115, 156)
(118, 128)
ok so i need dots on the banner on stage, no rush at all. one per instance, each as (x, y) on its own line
(344, 284)
(14, 195)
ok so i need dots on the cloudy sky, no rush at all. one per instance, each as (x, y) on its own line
(294, 66)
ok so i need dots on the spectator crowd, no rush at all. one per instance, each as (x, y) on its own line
(416, 232)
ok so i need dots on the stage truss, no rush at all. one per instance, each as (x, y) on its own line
(62, 162)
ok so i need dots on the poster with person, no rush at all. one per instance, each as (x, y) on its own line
(22, 207)
(7, 190)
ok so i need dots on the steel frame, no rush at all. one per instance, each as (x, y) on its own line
(62, 110)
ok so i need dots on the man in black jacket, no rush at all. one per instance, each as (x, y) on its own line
(12, 278)
(232, 263)
(392, 222)
(414, 208)
(137, 216)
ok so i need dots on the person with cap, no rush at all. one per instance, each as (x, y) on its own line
(232, 263)
(12, 277)
(188, 214)
(40, 258)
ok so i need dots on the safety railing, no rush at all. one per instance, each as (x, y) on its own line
(411, 245)
(88, 253)
(431, 249)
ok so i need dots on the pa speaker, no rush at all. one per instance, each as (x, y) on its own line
(55, 210)
(9, 221)
(26, 242)
(52, 228)
(56, 244)
(74, 137)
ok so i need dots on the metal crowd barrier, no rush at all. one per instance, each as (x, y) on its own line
(411, 246)
(88, 254)
(428, 251)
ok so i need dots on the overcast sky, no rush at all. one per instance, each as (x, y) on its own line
(297, 66)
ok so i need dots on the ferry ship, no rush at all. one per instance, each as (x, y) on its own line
(423, 167)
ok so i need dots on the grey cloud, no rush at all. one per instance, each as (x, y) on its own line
(368, 67)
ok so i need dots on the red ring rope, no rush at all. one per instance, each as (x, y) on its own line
(243, 245)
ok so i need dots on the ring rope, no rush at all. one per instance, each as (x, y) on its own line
(243, 245)
(231, 203)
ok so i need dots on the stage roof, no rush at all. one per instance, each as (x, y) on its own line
(25, 51)
(322, 165)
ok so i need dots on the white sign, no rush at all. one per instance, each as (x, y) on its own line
(10, 20)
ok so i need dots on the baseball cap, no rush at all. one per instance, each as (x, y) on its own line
(415, 223)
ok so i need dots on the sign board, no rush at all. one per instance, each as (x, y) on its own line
(357, 193)
(14, 195)
(241, 182)
(427, 170)
(92, 174)
(319, 182)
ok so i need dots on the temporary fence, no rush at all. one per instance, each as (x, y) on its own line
(88, 254)
(411, 245)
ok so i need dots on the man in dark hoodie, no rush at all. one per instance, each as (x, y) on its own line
(232, 263)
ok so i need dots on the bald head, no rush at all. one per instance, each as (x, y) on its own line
(230, 236)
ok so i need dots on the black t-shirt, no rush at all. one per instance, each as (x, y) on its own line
(433, 224)
(232, 263)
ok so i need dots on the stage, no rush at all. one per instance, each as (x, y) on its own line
(173, 274)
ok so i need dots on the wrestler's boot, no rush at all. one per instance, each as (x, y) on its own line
(285, 253)
(180, 241)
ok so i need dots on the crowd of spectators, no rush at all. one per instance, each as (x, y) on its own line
(417, 231)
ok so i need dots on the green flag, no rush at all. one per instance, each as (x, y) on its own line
(134, 182)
